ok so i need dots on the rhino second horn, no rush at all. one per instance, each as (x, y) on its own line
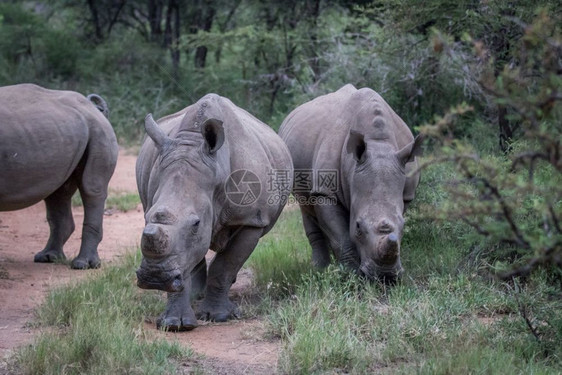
(154, 241)
(155, 132)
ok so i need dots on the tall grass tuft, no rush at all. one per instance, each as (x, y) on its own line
(282, 256)
(96, 327)
(446, 316)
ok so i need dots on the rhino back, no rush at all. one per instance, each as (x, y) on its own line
(314, 128)
(316, 131)
(43, 136)
(255, 147)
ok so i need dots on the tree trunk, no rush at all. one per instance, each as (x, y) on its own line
(95, 21)
(205, 24)
(505, 129)
(223, 26)
(172, 34)
(155, 9)
(313, 11)
(115, 16)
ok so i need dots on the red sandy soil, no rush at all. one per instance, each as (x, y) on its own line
(235, 347)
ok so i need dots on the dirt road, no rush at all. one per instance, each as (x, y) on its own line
(227, 348)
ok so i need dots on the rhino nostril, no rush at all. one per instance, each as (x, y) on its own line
(177, 282)
(150, 231)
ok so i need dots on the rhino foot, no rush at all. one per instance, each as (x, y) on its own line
(85, 263)
(177, 323)
(49, 256)
(218, 312)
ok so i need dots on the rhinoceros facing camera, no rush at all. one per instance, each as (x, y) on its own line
(361, 141)
(201, 175)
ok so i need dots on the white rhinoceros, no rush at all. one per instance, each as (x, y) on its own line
(211, 176)
(51, 144)
(351, 154)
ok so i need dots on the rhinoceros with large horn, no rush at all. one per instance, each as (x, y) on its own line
(209, 178)
(352, 156)
(53, 143)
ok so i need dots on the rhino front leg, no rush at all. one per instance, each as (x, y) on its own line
(199, 280)
(179, 315)
(317, 240)
(61, 223)
(333, 220)
(216, 306)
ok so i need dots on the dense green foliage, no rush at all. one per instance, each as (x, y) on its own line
(267, 56)
(482, 79)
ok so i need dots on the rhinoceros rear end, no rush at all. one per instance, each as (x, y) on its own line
(53, 143)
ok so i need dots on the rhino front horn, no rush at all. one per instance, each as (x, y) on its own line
(154, 242)
(155, 133)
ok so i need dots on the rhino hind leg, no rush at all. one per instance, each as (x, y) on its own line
(61, 223)
(179, 315)
(93, 183)
(216, 305)
(92, 232)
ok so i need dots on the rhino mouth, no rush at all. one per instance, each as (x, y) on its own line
(170, 281)
(386, 274)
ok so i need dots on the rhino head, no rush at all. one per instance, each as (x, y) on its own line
(179, 221)
(377, 183)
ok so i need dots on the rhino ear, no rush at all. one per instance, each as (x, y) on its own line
(213, 133)
(155, 132)
(411, 150)
(356, 146)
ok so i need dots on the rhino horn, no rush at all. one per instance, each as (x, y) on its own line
(155, 132)
(154, 241)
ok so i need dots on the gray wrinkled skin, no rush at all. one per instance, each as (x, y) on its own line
(53, 143)
(182, 170)
(357, 134)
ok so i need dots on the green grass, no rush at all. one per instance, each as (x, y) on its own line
(121, 201)
(446, 316)
(282, 256)
(97, 327)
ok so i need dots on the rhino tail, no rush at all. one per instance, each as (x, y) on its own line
(99, 103)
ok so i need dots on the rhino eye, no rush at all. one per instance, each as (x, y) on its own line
(358, 231)
(195, 226)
